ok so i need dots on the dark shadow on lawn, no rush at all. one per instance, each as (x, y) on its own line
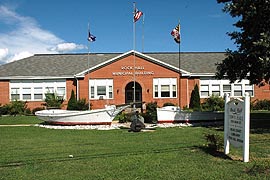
(212, 152)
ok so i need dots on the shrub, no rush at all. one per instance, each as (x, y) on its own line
(4, 109)
(52, 100)
(123, 117)
(195, 103)
(214, 142)
(213, 103)
(82, 104)
(150, 116)
(261, 104)
(74, 104)
(15, 108)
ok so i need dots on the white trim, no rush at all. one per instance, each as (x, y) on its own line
(35, 77)
(183, 72)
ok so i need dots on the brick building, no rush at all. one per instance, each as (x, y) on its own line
(109, 78)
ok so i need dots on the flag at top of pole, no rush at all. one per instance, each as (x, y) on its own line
(91, 37)
(176, 34)
(137, 15)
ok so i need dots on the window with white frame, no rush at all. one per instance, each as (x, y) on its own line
(15, 93)
(204, 90)
(165, 87)
(38, 93)
(237, 90)
(35, 90)
(210, 87)
(101, 88)
(216, 89)
(249, 89)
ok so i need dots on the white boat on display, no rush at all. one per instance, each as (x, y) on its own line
(173, 114)
(88, 117)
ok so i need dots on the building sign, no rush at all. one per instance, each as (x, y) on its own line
(237, 124)
(130, 70)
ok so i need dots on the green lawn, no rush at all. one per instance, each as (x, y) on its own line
(12, 120)
(172, 153)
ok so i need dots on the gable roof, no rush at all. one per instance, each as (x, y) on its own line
(67, 65)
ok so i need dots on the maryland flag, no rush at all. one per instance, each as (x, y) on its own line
(176, 34)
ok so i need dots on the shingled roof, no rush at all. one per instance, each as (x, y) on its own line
(68, 65)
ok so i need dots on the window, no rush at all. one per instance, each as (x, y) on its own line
(26, 93)
(156, 91)
(61, 91)
(249, 89)
(34, 90)
(174, 90)
(220, 87)
(215, 90)
(204, 90)
(165, 87)
(110, 92)
(15, 93)
(38, 93)
(237, 90)
(227, 89)
(165, 91)
(92, 90)
(101, 88)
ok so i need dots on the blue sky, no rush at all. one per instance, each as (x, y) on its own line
(30, 27)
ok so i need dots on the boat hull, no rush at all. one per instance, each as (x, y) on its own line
(70, 117)
(173, 114)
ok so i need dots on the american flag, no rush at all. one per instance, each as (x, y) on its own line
(137, 15)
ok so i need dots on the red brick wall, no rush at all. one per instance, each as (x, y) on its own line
(261, 92)
(120, 82)
(146, 81)
(4, 92)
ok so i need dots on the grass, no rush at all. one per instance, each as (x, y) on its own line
(172, 153)
(12, 120)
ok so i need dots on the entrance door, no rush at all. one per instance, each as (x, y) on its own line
(129, 93)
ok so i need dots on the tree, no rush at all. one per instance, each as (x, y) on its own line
(251, 59)
(72, 103)
(195, 103)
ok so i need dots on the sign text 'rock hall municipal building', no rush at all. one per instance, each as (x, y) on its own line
(109, 78)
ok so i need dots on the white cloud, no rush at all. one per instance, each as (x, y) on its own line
(3, 53)
(20, 55)
(64, 47)
(27, 38)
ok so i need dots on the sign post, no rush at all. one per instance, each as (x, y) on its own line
(237, 124)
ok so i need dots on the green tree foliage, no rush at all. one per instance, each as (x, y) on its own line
(253, 42)
(15, 108)
(150, 116)
(74, 104)
(195, 103)
(213, 103)
(52, 100)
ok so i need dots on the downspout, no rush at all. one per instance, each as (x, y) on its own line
(77, 87)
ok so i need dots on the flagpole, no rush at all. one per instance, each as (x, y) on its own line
(134, 59)
(89, 86)
(143, 34)
(179, 56)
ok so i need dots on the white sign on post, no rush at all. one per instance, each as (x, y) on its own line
(237, 124)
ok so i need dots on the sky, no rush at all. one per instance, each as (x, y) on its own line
(29, 27)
